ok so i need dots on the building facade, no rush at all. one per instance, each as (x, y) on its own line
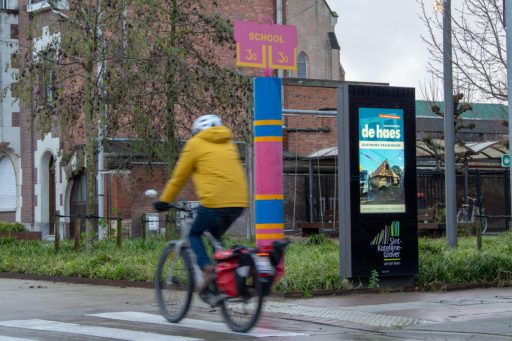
(48, 181)
(10, 137)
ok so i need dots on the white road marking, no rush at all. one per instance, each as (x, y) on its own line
(134, 316)
(10, 338)
(73, 328)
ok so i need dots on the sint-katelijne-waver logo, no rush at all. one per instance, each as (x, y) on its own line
(388, 243)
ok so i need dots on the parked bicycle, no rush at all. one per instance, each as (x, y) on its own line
(243, 277)
(469, 212)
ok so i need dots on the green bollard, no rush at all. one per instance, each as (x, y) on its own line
(119, 230)
(143, 227)
(78, 221)
(56, 243)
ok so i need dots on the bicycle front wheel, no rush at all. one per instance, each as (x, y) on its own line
(241, 313)
(174, 283)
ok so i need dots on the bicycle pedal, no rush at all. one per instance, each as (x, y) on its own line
(210, 298)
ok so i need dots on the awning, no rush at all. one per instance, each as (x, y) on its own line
(474, 151)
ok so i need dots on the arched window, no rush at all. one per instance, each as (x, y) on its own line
(302, 66)
(7, 184)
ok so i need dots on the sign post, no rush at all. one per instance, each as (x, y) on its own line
(267, 46)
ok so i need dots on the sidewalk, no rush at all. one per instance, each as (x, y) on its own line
(486, 313)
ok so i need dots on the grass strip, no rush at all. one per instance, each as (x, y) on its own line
(311, 264)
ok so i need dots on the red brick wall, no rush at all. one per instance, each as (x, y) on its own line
(127, 192)
(305, 97)
(249, 10)
(294, 199)
(27, 133)
(8, 216)
(313, 20)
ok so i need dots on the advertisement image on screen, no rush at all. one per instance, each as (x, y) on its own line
(381, 160)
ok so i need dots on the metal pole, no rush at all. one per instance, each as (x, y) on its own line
(101, 126)
(449, 129)
(345, 220)
(279, 21)
(310, 183)
(508, 19)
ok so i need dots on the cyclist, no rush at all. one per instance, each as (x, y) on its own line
(212, 159)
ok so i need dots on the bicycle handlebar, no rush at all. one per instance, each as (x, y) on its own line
(180, 208)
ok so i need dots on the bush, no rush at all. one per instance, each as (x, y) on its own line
(318, 239)
(11, 227)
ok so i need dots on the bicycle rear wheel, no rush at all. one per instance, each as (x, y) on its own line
(174, 283)
(241, 313)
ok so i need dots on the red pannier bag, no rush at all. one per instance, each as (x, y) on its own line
(227, 263)
(279, 272)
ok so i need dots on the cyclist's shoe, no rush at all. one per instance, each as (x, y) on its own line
(211, 298)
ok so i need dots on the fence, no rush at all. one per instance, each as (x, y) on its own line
(493, 186)
(80, 221)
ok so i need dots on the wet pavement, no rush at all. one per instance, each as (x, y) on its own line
(467, 314)
(40, 310)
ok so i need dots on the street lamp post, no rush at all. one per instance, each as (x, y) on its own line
(449, 128)
(507, 4)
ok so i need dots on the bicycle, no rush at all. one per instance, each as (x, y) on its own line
(243, 277)
(465, 216)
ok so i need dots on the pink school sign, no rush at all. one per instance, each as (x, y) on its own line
(266, 46)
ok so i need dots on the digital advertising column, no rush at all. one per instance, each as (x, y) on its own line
(268, 161)
(377, 143)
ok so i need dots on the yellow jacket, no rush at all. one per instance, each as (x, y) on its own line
(213, 161)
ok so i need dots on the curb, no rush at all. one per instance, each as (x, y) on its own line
(296, 294)
(77, 280)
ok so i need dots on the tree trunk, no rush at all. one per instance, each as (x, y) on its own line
(171, 102)
(171, 96)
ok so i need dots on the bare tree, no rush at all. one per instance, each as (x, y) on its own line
(460, 106)
(479, 54)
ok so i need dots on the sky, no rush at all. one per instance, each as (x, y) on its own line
(381, 41)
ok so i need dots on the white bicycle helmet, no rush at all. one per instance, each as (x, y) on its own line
(205, 122)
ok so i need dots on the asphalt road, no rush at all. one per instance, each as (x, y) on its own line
(39, 310)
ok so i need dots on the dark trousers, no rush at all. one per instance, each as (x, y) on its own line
(214, 220)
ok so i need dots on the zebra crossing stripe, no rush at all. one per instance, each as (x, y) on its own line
(134, 316)
(105, 332)
(10, 338)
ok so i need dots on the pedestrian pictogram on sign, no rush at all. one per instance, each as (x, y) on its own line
(505, 160)
(266, 46)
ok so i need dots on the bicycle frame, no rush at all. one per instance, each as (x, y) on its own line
(184, 244)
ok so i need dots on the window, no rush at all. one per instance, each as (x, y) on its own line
(3, 4)
(14, 31)
(7, 184)
(15, 61)
(37, 5)
(302, 66)
(47, 81)
(15, 90)
(15, 119)
(49, 86)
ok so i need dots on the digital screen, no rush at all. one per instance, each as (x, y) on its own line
(381, 160)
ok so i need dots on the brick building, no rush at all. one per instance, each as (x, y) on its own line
(45, 181)
(10, 138)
